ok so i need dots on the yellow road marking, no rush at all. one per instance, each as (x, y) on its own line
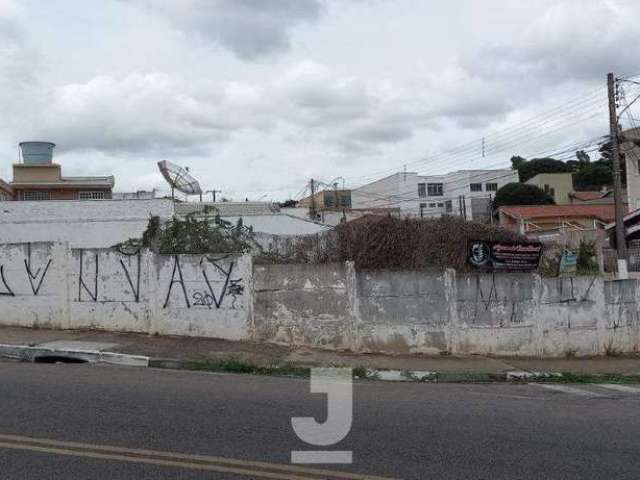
(169, 459)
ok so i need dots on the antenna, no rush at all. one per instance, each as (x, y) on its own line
(179, 178)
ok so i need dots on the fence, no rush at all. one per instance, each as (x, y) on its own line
(331, 306)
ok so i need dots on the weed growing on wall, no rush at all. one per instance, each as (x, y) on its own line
(195, 234)
(208, 233)
(587, 258)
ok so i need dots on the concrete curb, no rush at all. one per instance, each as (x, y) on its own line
(27, 353)
(415, 376)
(453, 377)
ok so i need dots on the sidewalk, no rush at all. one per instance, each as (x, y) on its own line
(210, 354)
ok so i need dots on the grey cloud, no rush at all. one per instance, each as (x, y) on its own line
(151, 113)
(573, 41)
(381, 133)
(249, 28)
(20, 70)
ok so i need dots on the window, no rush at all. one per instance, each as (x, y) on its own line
(546, 189)
(476, 187)
(449, 206)
(422, 190)
(36, 195)
(344, 201)
(422, 207)
(434, 189)
(432, 205)
(491, 187)
(91, 195)
(440, 205)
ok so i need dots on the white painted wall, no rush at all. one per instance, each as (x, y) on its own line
(400, 190)
(108, 290)
(82, 224)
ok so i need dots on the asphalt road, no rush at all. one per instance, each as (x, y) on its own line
(410, 431)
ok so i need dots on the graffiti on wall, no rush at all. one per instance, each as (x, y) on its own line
(36, 278)
(216, 283)
(567, 290)
(485, 301)
(89, 268)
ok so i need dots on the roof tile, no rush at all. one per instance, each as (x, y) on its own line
(605, 212)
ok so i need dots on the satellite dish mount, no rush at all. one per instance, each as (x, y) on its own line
(179, 179)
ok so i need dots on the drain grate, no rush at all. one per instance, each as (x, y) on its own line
(58, 359)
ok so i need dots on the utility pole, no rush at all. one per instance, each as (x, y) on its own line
(213, 194)
(312, 208)
(621, 241)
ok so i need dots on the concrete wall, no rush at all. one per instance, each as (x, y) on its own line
(329, 306)
(81, 223)
(416, 312)
(51, 285)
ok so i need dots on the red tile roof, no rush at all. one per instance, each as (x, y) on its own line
(586, 196)
(604, 213)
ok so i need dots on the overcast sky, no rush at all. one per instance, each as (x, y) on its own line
(258, 96)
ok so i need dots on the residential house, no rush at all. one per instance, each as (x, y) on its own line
(6, 192)
(327, 200)
(558, 185)
(546, 218)
(630, 147)
(631, 223)
(604, 196)
(38, 178)
(467, 193)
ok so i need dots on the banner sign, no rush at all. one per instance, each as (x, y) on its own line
(568, 263)
(504, 256)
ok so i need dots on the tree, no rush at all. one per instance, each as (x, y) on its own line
(288, 204)
(517, 161)
(593, 176)
(531, 168)
(521, 194)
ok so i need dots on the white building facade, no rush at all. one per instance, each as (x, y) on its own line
(465, 193)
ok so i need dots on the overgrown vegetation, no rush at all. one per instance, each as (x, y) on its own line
(587, 262)
(568, 377)
(319, 248)
(521, 194)
(235, 364)
(586, 174)
(202, 235)
(587, 258)
(194, 234)
(393, 243)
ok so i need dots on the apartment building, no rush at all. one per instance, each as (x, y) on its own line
(328, 200)
(38, 178)
(465, 193)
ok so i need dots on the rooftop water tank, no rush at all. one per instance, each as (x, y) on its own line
(37, 153)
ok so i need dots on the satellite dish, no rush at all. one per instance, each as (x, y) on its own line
(179, 178)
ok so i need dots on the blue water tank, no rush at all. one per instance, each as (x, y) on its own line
(37, 153)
